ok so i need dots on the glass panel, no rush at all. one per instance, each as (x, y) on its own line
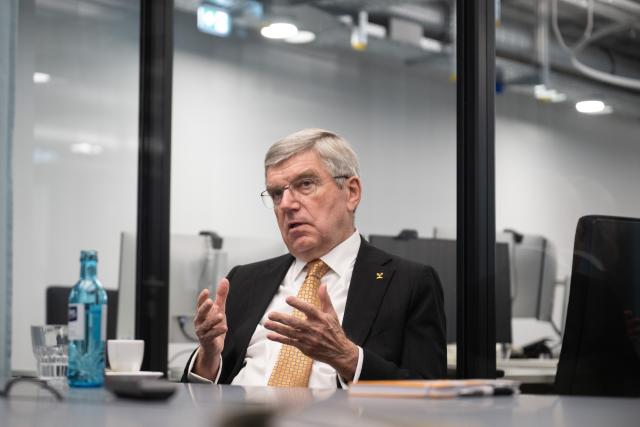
(8, 27)
(75, 149)
(382, 81)
(555, 161)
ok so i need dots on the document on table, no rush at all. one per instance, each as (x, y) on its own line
(434, 388)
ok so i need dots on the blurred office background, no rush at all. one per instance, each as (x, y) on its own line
(392, 94)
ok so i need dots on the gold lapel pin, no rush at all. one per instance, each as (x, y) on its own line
(379, 276)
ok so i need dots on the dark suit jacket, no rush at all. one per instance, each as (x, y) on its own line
(394, 311)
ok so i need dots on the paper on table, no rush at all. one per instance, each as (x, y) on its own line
(434, 388)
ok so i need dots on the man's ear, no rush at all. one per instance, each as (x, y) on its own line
(354, 187)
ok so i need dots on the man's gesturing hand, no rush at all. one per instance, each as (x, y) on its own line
(320, 336)
(210, 324)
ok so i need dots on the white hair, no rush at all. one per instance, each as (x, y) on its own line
(334, 151)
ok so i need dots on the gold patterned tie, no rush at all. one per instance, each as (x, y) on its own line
(293, 368)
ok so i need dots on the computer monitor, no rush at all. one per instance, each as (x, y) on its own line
(534, 277)
(601, 347)
(441, 255)
(194, 265)
(189, 272)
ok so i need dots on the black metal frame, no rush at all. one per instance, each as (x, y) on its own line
(476, 351)
(154, 181)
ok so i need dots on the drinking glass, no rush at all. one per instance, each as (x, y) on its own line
(50, 344)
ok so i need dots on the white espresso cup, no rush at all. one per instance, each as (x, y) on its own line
(125, 355)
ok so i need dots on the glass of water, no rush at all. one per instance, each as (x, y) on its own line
(50, 345)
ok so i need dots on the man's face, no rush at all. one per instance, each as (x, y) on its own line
(314, 224)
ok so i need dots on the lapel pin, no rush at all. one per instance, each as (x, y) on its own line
(379, 276)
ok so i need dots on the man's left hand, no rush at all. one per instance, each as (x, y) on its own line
(319, 336)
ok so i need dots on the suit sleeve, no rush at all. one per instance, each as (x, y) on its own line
(423, 353)
(185, 372)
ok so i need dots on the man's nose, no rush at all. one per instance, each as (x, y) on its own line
(289, 200)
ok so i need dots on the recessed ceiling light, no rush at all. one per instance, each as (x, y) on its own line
(301, 37)
(279, 30)
(41, 77)
(431, 45)
(593, 106)
(86, 149)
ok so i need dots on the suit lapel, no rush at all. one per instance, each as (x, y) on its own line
(264, 288)
(369, 281)
(257, 295)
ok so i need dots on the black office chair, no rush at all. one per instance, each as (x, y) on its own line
(601, 351)
(57, 308)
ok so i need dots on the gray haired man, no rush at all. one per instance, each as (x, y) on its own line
(335, 309)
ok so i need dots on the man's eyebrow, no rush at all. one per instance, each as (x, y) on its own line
(307, 173)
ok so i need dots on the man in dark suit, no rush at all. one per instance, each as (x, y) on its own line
(374, 316)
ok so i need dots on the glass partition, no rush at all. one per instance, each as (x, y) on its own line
(74, 149)
(566, 147)
(379, 74)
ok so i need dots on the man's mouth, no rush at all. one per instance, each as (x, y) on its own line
(293, 225)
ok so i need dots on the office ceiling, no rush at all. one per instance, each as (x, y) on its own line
(519, 35)
(517, 18)
(517, 39)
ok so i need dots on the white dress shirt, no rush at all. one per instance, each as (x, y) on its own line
(262, 353)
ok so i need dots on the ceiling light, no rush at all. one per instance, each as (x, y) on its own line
(430, 44)
(41, 77)
(279, 30)
(86, 148)
(213, 20)
(543, 93)
(593, 106)
(301, 37)
(375, 30)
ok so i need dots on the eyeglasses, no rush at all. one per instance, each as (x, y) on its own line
(304, 186)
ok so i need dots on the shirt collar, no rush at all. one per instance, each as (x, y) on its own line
(339, 259)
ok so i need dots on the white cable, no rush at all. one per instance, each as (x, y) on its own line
(621, 81)
(594, 73)
(587, 31)
(587, 38)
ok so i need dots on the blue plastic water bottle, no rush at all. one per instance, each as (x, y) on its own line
(87, 326)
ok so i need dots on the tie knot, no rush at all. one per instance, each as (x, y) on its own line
(317, 268)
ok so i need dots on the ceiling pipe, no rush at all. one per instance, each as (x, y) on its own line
(542, 41)
(514, 40)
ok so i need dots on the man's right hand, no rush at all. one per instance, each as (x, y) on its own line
(210, 324)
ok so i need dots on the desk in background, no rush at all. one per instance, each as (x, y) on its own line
(537, 371)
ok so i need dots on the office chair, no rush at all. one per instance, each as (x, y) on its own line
(57, 307)
(600, 351)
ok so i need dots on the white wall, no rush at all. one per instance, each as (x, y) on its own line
(232, 99)
(554, 165)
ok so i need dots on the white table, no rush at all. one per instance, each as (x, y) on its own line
(209, 405)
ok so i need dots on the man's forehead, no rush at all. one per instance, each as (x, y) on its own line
(304, 164)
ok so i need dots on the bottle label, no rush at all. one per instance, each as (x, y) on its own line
(76, 322)
(103, 324)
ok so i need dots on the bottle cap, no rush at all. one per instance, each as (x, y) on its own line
(88, 255)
